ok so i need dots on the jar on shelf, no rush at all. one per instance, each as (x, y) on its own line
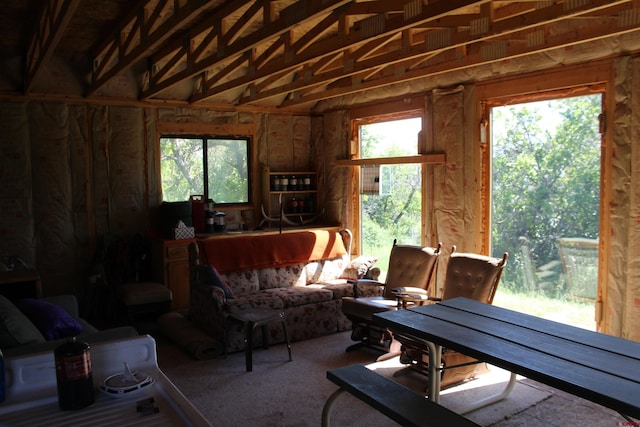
(276, 183)
(284, 183)
(307, 182)
(293, 205)
(310, 205)
(293, 183)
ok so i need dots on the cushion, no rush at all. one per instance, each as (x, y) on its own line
(210, 276)
(51, 320)
(242, 282)
(326, 270)
(358, 267)
(280, 277)
(15, 328)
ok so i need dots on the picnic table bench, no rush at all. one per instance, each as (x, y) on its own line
(394, 400)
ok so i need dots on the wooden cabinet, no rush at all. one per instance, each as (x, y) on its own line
(171, 267)
(295, 192)
(17, 284)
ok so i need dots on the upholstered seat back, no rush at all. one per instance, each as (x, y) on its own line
(409, 266)
(473, 276)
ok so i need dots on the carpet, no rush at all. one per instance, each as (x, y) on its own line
(187, 336)
(279, 393)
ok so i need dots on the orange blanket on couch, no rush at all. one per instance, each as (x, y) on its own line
(233, 253)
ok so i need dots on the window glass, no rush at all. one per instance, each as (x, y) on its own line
(390, 194)
(216, 167)
(228, 171)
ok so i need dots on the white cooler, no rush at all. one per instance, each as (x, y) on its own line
(32, 397)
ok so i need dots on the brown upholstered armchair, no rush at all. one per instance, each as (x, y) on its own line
(411, 269)
(468, 275)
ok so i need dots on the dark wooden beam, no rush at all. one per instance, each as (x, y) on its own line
(54, 19)
(139, 32)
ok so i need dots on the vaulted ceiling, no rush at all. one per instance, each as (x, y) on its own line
(278, 53)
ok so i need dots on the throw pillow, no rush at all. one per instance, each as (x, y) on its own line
(15, 327)
(210, 276)
(51, 320)
(358, 267)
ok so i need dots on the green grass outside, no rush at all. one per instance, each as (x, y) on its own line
(575, 313)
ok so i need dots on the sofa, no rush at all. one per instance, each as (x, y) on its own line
(303, 273)
(32, 325)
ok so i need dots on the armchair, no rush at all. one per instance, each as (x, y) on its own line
(410, 269)
(468, 275)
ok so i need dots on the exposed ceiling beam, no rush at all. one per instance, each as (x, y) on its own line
(144, 28)
(302, 11)
(481, 53)
(438, 41)
(372, 28)
(54, 19)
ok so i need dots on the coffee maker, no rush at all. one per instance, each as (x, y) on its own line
(218, 221)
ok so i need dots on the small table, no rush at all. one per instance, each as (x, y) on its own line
(252, 317)
(597, 367)
(24, 283)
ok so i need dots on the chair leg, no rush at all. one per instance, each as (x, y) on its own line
(395, 348)
(286, 337)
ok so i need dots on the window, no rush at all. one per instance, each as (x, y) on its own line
(390, 193)
(217, 167)
(546, 205)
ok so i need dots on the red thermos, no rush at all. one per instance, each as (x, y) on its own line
(197, 213)
(74, 375)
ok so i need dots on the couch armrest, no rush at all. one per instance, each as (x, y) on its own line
(68, 302)
(363, 282)
(206, 309)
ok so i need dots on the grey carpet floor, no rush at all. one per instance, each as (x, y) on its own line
(279, 393)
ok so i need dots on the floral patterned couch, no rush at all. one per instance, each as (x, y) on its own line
(303, 273)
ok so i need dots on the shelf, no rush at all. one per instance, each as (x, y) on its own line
(435, 158)
(293, 191)
(306, 191)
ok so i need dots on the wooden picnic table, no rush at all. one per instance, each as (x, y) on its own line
(598, 367)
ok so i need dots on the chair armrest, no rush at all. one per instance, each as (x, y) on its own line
(412, 295)
(409, 290)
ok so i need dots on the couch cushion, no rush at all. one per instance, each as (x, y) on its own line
(358, 267)
(326, 270)
(50, 319)
(293, 296)
(256, 299)
(339, 287)
(280, 277)
(15, 328)
(242, 282)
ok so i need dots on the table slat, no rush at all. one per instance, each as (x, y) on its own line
(594, 357)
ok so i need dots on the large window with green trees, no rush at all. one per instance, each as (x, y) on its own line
(217, 167)
(390, 194)
(546, 196)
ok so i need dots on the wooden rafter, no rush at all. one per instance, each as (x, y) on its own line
(485, 52)
(289, 18)
(340, 42)
(54, 19)
(451, 39)
(122, 50)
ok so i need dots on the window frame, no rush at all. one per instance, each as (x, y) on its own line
(408, 108)
(212, 134)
